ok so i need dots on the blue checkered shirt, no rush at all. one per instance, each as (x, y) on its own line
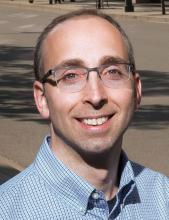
(47, 189)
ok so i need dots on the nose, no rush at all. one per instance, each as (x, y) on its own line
(95, 93)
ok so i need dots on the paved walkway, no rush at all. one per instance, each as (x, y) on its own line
(145, 12)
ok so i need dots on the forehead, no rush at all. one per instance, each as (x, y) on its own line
(84, 35)
(86, 25)
(82, 21)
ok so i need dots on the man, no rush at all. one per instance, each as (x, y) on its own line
(87, 87)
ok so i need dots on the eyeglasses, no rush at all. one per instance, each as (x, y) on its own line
(73, 79)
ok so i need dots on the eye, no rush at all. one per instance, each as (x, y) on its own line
(112, 73)
(72, 76)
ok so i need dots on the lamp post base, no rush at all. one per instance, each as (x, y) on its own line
(128, 6)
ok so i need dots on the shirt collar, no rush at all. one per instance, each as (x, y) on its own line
(126, 171)
(61, 180)
(128, 191)
(71, 187)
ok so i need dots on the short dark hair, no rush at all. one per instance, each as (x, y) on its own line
(38, 59)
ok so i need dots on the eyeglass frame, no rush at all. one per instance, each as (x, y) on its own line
(53, 71)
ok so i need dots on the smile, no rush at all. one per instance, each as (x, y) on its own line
(95, 121)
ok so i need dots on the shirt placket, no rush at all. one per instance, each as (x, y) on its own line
(98, 208)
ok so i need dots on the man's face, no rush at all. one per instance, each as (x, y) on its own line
(88, 41)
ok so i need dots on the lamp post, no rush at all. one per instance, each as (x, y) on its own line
(128, 6)
(163, 7)
(99, 4)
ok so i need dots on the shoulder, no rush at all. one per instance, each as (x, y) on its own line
(17, 183)
(151, 182)
(28, 196)
(147, 174)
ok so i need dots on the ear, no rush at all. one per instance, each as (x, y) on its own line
(40, 99)
(138, 90)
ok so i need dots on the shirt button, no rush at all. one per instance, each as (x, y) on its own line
(95, 195)
(81, 209)
(122, 206)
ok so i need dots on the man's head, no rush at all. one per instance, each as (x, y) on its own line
(89, 112)
(38, 58)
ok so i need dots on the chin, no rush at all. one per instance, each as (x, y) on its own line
(97, 155)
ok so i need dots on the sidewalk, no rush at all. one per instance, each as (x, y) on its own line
(8, 169)
(145, 12)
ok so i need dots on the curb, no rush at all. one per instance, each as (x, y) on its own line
(8, 163)
(118, 13)
(144, 18)
(8, 169)
(35, 7)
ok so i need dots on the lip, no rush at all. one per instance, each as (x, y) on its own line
(95, 128)
(94, 116)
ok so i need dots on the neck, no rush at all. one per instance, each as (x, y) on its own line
(100, 170)
(103, 172)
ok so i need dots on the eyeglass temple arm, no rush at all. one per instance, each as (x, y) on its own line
(44, 78)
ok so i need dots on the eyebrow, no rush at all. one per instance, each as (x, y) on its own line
(111, 60)
(80, 63)
(72, 62)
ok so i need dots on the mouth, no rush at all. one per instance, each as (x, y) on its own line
(95, 121)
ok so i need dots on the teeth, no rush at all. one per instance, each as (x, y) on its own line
(95, 121)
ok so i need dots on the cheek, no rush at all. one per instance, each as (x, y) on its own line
(125, 105)
(129, 101)
(61, 104)
(128, 105)
(124, 98)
